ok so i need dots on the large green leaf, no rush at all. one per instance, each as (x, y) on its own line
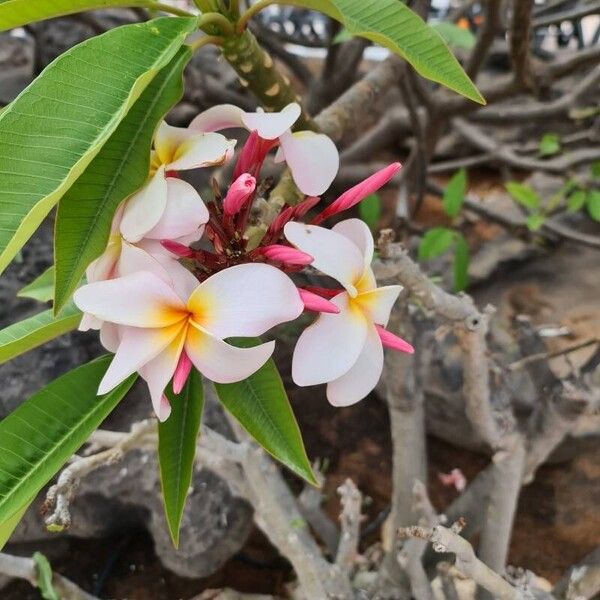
(41, 288)
(44, 432)
(20, 337)
(261, 406)
(14, 13)
(7, 527)
(56, 126)
(177, 438)
(85, 212)
(393, 25)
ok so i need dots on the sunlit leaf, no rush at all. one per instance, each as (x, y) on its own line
(261, 406)
(435, 242)
(44, 577)
(535, 221)
(454, 194)
(55, 127)
(369, 210)
(461, 263)
(85, 212)
(549, 144)
(392, 24)
(576, 200)
(177, 438)
(22, 336)
(593, 204)
(523, 194)
(458, 37)
(43, 433)
(41, 288)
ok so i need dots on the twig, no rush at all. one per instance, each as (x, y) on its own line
(528, 360)
(447, 540)
(25, 568)
(350, 517)
(485, 37)
(309, 502)
(519, 40)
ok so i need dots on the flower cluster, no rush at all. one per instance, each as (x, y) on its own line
(178, 278)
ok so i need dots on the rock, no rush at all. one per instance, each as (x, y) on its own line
(126, 495)
(16, 65)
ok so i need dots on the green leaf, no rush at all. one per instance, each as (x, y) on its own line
(595, 169)
(56, 126)
(44, 577)
(593, 204)
(86, 211)
(390, 23)
(369, 210)
(549, 144)
(9, 525)
(461, 263)
(435, 242)
(43, 433)
(261, 406)
(343, 35)
(535, 221)
(41, 288)
(456, 36)
(454, 194)
(523, 194)
(177, 438)
(576, 200)
(20, 337)
(14, 13)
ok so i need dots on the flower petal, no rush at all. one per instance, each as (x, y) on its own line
(136, 348)
(363, 375)
(201, 150)
(158, 372)
(272, 125)
(330, 346)
(134, 259)
(137, 300)
(110, 336)
(223, 116)
(221, 362)
(144, 209)
(245, 300)
(378, 303)
(105, 265)
(312, 158)
(357, 231)
(334, 254)
(184, 212)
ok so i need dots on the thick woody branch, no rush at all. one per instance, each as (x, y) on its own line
(350, 518)
(519, 36)
(447, 540)
(485, 37)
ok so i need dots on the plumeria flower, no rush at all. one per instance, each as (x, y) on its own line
(312, 157)
(161, 332)
(167, 207)
(345, 350)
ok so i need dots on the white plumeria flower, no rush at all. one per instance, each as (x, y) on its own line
(167, 207)
(344, 350)
(157, 325)
(312, 157)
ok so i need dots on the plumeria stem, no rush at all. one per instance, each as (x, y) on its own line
(218, 20)
(253, 10)
(205, 41)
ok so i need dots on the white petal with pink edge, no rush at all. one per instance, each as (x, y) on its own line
(221, 362)
(272, 125)
(201, 150)
(158, 372)
(334, 254)
(144, 209)
(184, 212)
(222, 116)
(330, 346)
(110, 336)
(245, 300)
(136, 348)
(312, 158)
(378, 303)
(137, 300)
(362, 377)
(357, 231)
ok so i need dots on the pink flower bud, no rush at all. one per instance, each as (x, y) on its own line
(359, 192)
(182, 372)
(239, 193)
(292, 212)
(177, 248)
(253, 154)
(454, 478)
(317, 303)
(286, 254)
(389, 340)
